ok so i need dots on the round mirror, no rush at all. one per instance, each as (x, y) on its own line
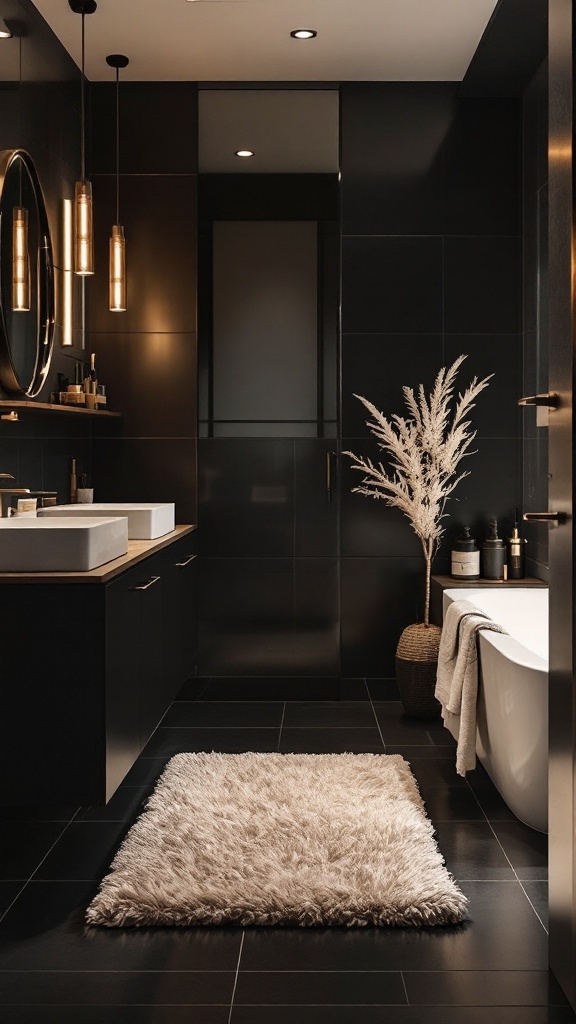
(26, 278)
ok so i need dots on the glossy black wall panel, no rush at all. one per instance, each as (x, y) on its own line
(367, 360)
(151, 379)
(159, 217)
(391, 284)
(433, 257)
(246, 496)
(316, 492)
(395, 184)
(147, 469)
(496, 412)
(481, 158)
(158, 128)
(482, 284)
(380, 596)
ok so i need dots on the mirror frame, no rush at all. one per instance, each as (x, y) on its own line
(45, 289)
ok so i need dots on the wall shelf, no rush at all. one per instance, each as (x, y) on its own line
(29, 406)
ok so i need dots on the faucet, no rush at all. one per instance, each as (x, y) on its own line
(10, 490)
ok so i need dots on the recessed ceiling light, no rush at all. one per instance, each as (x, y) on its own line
(244, 152)
(303, 33)
(5, 32)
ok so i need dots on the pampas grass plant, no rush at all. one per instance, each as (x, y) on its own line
(424, 452)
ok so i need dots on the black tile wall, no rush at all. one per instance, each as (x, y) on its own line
(147, 355)
(432, 268)
(535, 338)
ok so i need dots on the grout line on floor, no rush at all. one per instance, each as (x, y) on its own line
(236, 977)
(405, 989)
(281, 724)
(375, 715)
(531, 904)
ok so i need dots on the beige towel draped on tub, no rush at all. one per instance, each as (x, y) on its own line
(457, 676)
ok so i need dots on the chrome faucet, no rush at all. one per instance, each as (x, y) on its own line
(10, 490)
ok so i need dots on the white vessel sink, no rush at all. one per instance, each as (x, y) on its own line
(146, 520)
(60, 544)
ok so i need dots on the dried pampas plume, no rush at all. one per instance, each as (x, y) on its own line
(424, 453)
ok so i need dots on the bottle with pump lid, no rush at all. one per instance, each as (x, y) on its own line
(515, 559)
(494, 555)
(465, 557)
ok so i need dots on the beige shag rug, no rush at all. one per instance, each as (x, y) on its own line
(281, 839)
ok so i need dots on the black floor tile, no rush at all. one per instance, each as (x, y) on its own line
(399, 1015)
(204, 714)
(484, 988)
(471, 850)
(84, 851)
(526, 848)
(325, 715)
(273, 688)
(503, 933)
(412, 751)
(46, 930)
(354, 689)
(51, 813)
(492, 804)
(102, 1014)
(8, 893)
(435, 772)
(145, 772)
(325, 987)
(454, 803)
(331, 741)
(537, 893)
(125, 805)
(383, 689)
(147, 988)
(23, 846)
(192, 689)
(167, 742)
(399, 728)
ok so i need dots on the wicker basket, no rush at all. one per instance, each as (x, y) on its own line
(416, 664)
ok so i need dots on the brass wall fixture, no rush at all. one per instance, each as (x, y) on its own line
(117, 265)
(83, 219)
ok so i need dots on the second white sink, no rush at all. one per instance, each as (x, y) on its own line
(146, 520)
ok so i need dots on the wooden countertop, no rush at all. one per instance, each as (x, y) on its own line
(138, 550)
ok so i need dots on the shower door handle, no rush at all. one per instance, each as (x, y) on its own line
(545, 517)
(329, 474)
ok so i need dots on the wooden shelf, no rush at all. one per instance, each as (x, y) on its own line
(31, 406)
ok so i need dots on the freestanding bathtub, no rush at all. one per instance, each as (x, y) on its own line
(512, 716)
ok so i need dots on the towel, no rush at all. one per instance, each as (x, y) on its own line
(457, 676)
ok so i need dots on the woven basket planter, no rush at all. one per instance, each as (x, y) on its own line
(416, 664)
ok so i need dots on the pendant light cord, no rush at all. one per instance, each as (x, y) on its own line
(117, 145)
(20, 108)
(82, 113)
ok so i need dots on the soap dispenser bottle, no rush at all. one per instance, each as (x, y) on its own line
(515, 559)
(465, 557)
(494, 555)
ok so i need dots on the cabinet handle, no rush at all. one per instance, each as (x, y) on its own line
(182, 565)
(145, 586)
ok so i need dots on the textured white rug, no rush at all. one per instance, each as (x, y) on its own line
(281, 839)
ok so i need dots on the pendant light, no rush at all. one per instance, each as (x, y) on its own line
(20, 255)
(117, 267)
(83, 227)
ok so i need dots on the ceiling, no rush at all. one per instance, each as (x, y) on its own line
(249, 40)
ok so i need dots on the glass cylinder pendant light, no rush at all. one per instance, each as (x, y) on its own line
(117, 267)
(21, 288)
(20, 261)
(83, 226)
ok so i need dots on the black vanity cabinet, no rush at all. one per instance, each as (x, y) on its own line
(90, 667)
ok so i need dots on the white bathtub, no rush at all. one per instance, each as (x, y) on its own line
(512, 717)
